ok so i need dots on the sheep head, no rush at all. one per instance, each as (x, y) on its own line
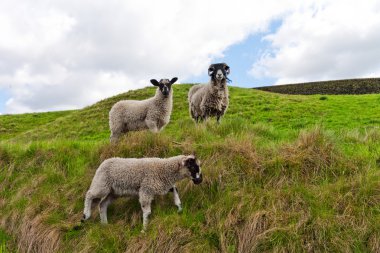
(164, 85)
(193, 169)
(219, 72)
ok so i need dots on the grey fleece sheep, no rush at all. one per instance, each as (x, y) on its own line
(145, 177)
(210, 100)
(152, 113)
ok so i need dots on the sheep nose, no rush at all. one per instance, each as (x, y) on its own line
(198, 179)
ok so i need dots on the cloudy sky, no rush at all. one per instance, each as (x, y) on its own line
(66, 54)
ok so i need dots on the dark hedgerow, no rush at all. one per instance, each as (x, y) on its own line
(337, 87)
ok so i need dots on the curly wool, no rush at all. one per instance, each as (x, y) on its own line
(129, 176)
(145, 177)
(132, 115)
(208, 100)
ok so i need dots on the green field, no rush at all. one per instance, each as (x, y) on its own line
(282, 173)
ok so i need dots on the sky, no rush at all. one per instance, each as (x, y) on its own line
(66, 54)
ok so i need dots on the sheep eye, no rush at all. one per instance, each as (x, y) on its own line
(211, 69)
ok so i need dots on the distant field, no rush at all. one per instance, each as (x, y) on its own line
(282, 173)
(337, 87)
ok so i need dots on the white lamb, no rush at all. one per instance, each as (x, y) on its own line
(145, 177)
(152, 113)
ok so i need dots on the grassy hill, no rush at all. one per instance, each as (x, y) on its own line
(281, 173)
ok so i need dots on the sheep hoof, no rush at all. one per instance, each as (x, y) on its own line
(143, 231)
(179, 210)
(77, 227)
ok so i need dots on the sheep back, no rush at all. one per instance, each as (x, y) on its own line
(128, 115)
(126, 176)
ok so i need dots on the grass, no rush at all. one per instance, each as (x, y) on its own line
(248, 107)
(13, 125)
(5, 242)
(281, 173)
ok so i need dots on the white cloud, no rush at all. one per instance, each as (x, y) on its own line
(61, 55)
(57, 55)
(324, 40)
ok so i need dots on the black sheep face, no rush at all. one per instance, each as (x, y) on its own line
(164, 84)
(192, 164)
(219, 72)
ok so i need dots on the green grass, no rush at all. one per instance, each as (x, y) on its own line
(247, 107)
(4, 241)
(281, 173)
(13, 125)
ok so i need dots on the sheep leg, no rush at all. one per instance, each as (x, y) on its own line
(218, 119)
(116, 131)
(152, 125)
(114, 137)
(177, 201)
(145, 201)
(87, 206)
(194, 116)
(104, 203)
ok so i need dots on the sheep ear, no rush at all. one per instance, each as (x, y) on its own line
(155, 82)
(174, 79)
(188, 160)
(210, 70)
(227, 69)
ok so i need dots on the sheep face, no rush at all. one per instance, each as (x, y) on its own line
(219, 71)
(164, 85)
(193, 169)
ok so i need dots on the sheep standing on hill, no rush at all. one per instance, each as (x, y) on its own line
(210, 100)
(144, 177)
(152, 113)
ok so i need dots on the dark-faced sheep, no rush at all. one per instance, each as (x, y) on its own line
(210, 100)
(145, 177)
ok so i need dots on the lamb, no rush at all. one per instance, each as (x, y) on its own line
(210, 99)
(144, 177)
(152, 113)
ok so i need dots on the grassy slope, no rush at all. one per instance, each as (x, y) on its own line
(273, 179)
(12, 125)
(251, 106)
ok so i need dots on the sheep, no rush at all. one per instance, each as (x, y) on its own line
(144, 177)
(152, 113)
(210, 99)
